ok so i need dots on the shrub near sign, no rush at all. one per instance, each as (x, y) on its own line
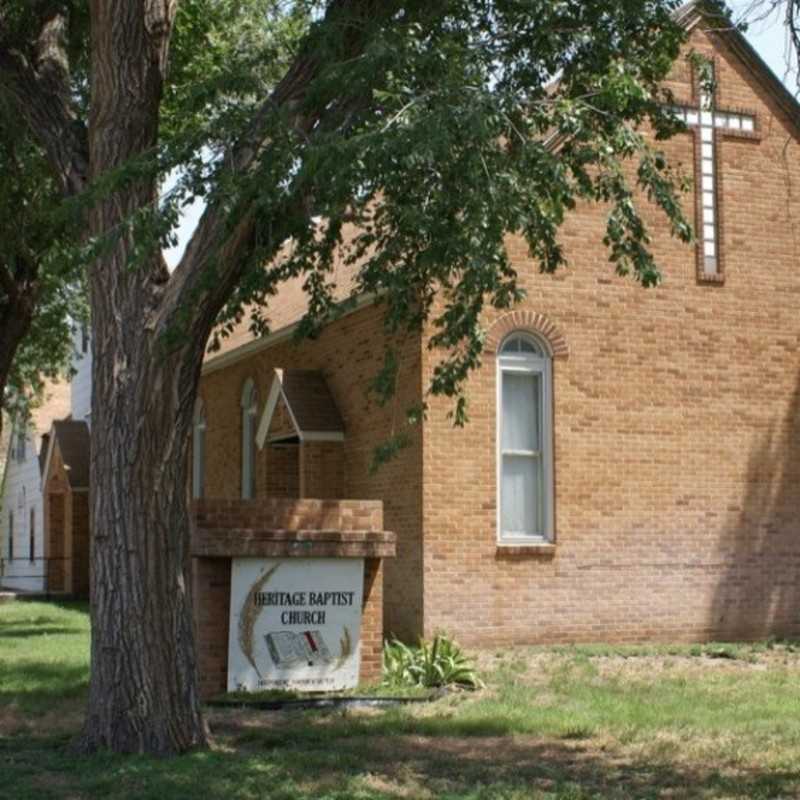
(295, 623)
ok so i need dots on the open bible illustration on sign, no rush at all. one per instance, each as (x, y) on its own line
(287, 648)
(294, 624)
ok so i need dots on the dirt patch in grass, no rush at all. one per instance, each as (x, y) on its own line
(536, 666)
(704, 668)
(234, 721)
(654, 668)
(65, 720)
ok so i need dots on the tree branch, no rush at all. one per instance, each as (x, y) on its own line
(38, 86)
(9, 284)
(233, 249)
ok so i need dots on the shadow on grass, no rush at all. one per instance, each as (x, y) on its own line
(33, 632)
(372, 766)
(450, 757)
(38, 685)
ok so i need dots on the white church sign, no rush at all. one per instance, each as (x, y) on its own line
(295, 623)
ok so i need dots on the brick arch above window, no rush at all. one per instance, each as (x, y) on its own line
(532, 321)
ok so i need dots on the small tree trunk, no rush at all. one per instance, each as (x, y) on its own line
(16, 317)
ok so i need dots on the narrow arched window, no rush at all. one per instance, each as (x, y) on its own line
(524, 439)
(199, 450)
(10, 535)
(32, 538)
(249, 411)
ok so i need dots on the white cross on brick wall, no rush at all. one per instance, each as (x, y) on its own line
(705, 119)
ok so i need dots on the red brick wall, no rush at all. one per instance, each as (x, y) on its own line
(279, 514)
(56, 532)
(677, 429)
(372, 622)
(281, 474)
(80, 544)
(211, 595)
(322, 469)
(249, 523)
(676, 419)
(349, 353)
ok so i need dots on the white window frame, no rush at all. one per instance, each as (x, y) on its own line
(541, 365)
(199, 450)
(249, 414)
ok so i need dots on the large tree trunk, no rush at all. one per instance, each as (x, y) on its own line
(143, 692)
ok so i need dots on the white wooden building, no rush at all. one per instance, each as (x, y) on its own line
(22, 515)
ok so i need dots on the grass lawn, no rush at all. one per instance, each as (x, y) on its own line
(720, 721)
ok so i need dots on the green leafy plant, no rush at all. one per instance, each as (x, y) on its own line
(433, 664)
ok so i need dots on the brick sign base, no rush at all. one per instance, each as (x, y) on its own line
(226, 529)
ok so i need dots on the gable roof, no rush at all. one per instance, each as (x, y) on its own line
(310, 404)
(290, 304)
(73, 443)
(720, 26)
(307, 395)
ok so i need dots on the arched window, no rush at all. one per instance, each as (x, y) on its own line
(249, 411)
(198, 450)
(10, 535)
(524, 439)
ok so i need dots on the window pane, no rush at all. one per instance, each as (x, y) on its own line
(521, 410)
(520, 497)
(521, 344)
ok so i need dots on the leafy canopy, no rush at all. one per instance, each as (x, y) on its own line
(458, 123)
(41, 289)
(450, 126)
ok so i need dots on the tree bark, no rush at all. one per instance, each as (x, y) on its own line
(40, 89)
(143, 691)
(143, 694)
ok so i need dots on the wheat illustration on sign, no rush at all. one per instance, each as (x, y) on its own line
(249, 615)
(346, 649)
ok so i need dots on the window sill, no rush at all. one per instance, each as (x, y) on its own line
(532, 549)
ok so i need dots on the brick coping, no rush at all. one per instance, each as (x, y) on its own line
(248, 543)
(273, 527)
(300, 535)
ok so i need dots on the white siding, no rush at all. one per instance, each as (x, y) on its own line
(22, 487)
(22, 491)
(82, 381)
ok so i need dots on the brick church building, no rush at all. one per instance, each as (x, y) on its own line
(631, 467)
